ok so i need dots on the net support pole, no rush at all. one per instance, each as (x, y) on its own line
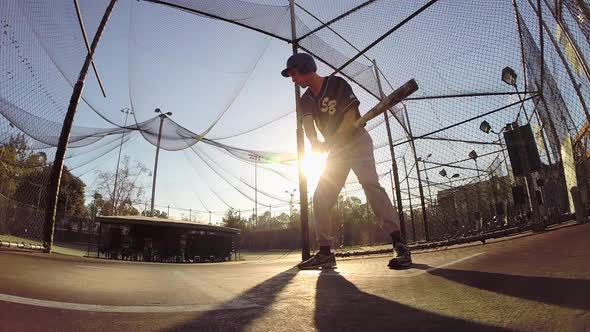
(83, 29)
(410, 200)
(394, 169)
(541, 43)
(304, 213)
(579, 55)
(420, 188)
(58, 162)
(567, 67)
(155, 175)
(576, 47)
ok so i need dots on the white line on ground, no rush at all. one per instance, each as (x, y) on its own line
(236, 304)
(99, 267)
(453, 262)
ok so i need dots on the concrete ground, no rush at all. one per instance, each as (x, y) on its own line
(535, 282)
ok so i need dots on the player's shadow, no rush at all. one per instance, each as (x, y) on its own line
(261, 295)
(571, 293)
(341, 306)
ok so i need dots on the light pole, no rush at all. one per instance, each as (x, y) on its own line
(444, 174)
(451, 195)
(423, 160)
(421, 190)
(256, 158)
(473, 155)
(162, 117)
(487, 128)
(291, 193)
(95, 197)
(410, 200)
(127, 111)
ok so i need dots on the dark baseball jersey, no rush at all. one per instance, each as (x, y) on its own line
(328, 108)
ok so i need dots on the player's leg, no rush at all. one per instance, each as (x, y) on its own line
(363, 165)
(324, 198)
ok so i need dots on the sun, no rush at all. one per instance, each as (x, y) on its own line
(313, 167)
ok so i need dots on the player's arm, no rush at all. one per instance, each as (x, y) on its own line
(347, 128)
(310, 132)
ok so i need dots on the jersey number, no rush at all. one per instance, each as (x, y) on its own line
(328, 105)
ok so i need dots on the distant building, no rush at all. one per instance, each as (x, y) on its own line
(469, 206)
(163, 240)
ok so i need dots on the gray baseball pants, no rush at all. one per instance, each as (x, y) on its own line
(358, 156)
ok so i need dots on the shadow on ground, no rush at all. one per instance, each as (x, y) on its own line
(263, 295)
(571, 293)
(341, 306)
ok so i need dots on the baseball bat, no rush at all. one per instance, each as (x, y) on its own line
(395, 97)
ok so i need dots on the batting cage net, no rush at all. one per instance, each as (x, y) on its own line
(493, 142)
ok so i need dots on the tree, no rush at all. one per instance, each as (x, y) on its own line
(119, 200)
(16, 161)
(233, 219)
(24, 176)
(281, 221)
(31, 190)
(157, 214)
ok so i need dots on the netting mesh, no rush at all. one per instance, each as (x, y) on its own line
(208, 62)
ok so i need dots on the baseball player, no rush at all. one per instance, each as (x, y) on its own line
(330, 105)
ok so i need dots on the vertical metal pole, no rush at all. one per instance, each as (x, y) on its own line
(477, 188)
(528, 178)
(410, 200)
(168, 211)
(256, 191)
(291, 208)
(190, 217)
(420, 188)
(118, 161)
(427, 182)
(392, 186)
(99, 239)
(394, 169)
(58, 163)
(504, 153)
(162, 117)
(300, 151)
(543, 136)
(541, 43)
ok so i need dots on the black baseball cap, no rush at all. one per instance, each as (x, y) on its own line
(303, 62)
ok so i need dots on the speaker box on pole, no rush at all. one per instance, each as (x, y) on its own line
(520, 143)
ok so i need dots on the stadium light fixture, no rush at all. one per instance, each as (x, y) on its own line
(509, 76)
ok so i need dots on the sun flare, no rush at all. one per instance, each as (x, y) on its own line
(313, 166)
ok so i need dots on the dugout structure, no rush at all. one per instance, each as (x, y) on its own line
(149, 239)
